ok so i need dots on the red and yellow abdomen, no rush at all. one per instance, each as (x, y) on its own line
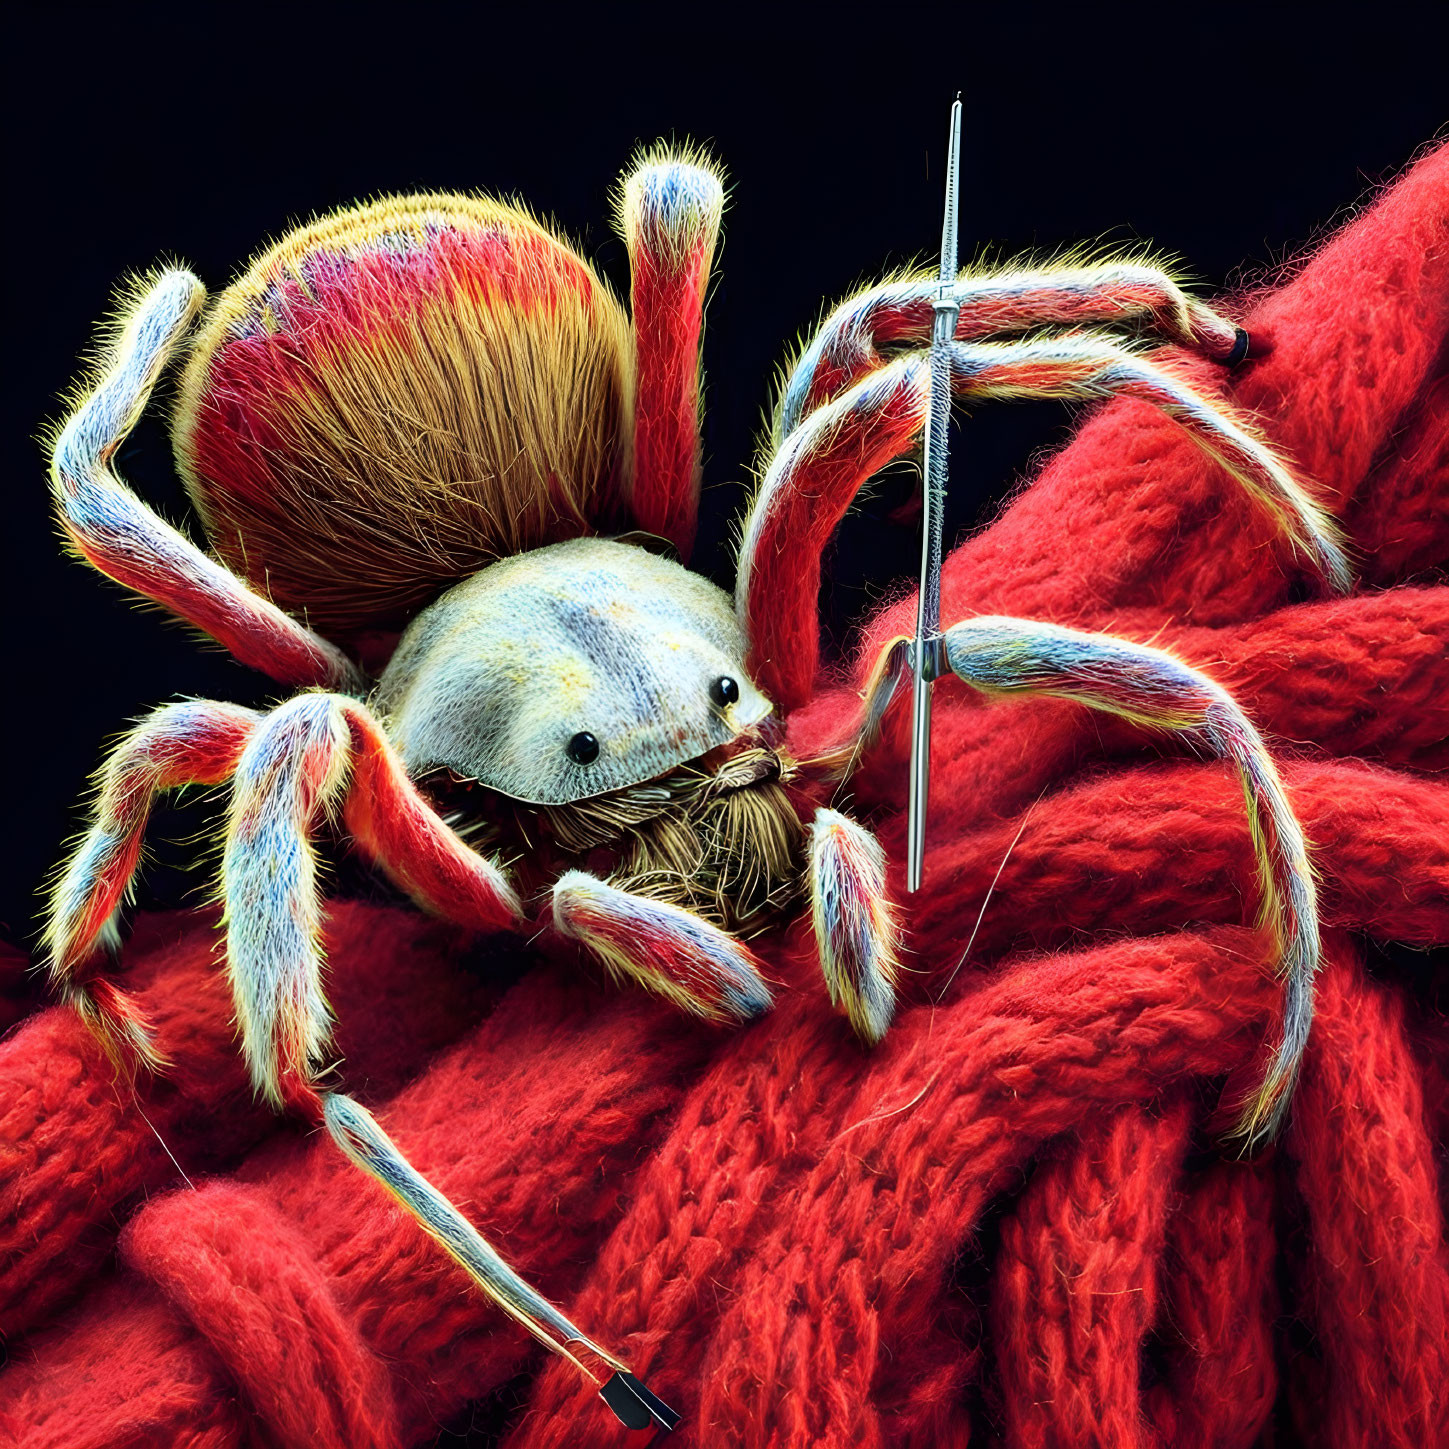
(392, 397)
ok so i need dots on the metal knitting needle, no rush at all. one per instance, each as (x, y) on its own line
(926, 654)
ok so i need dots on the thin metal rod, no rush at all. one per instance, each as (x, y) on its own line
(950, 221)
(925, 659)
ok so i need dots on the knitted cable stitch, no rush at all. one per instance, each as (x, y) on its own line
(1009, 1219)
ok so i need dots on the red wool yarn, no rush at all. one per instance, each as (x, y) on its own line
(1008, 1222)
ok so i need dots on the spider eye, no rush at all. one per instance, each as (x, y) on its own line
(583, 749)
(724, 691)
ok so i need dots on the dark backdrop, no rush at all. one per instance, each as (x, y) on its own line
(1230, 137)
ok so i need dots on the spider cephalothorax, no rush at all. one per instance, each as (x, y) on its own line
(421, 414)
(587, 704)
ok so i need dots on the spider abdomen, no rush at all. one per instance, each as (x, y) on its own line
(392, 397)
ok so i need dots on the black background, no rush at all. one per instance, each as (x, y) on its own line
(1231, 137)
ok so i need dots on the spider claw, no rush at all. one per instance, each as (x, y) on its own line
(635, 1406)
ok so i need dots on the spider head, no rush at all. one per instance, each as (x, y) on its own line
(570, 672)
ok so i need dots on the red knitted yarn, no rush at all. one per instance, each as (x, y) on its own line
(78, 1155)
(1009, 1220)
(1219, 1311)
(1075, 1290)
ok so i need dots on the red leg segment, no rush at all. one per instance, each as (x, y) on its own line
(822, 465)
(313, 756)
(294, 771)
(1150, 687)
(196, 743)
(857, 934)
(662, 947)
(396, 827)
(812, 481)
(1087, 367)
(670, 212)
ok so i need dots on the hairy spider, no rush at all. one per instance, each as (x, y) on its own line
(426, 414)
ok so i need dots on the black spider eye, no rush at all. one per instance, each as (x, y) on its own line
(583, 749)
(724, 691)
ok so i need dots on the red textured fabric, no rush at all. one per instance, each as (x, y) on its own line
(1075, 1289)
(1009, 1221)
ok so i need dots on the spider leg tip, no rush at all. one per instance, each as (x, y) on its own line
(749, 995)
(873, 1015)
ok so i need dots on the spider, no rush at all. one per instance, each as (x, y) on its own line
(439, 471)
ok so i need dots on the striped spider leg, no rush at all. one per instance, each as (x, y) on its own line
(316, 756)
(319, 757)
(110, 527)
(707, 970)
(1148, 686)
(848, 409)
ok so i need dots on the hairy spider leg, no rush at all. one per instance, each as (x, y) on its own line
(357, 1132)
(299, 764)
(1150, 687)
(397, 827)
(820, 467)
(811, 482)
(857, 934)
(1079, 365)
(195, 743)
(290, 776)
(669, 213)
(664, 948)
(113, 530)
(899, 314)
(316, 755)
